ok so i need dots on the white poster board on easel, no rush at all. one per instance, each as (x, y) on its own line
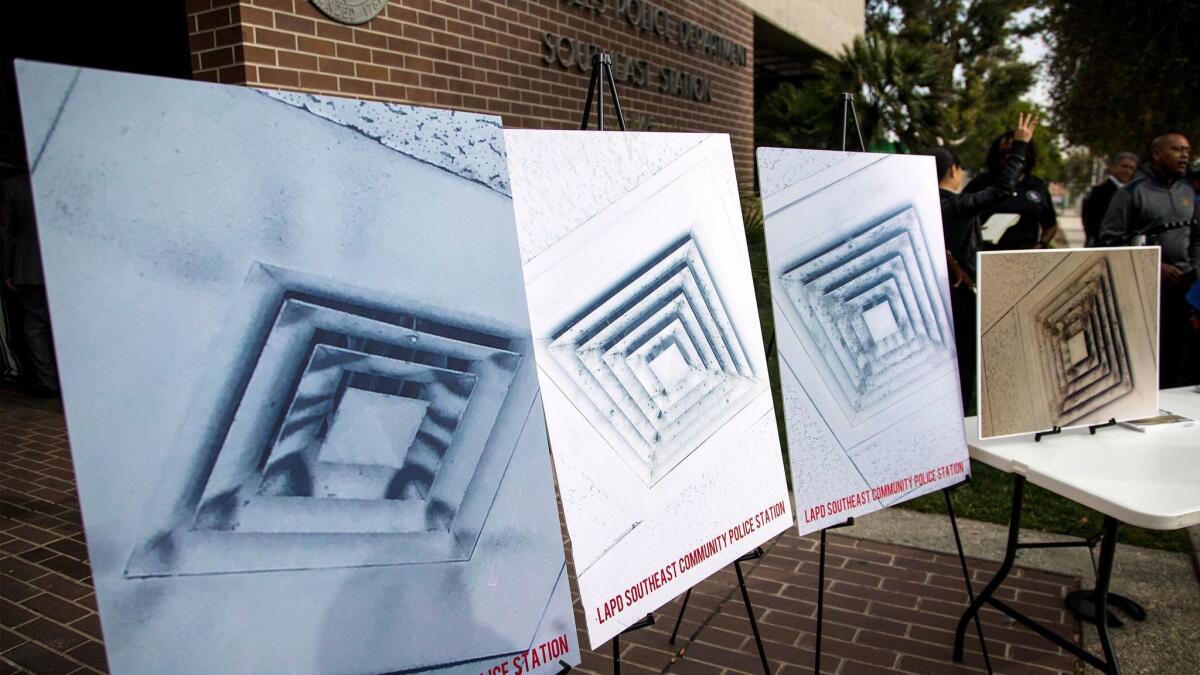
(864, 331)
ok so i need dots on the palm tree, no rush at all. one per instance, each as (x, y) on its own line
(898, 95)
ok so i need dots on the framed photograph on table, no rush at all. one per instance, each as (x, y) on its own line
(1067, 338)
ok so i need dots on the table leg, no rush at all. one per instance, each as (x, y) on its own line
(962, 561)
(1108, 549)
(1010, 555)
(1082, 603)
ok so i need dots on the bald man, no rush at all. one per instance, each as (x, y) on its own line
(1160, 196)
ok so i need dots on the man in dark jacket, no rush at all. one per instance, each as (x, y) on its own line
(21, 262)
(1095, 204)
(963, 231)
(1158, 197)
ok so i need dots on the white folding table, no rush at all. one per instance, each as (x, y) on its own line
(1149, 480)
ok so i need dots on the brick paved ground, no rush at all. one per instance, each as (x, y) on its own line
(47, 605)
(888, 608)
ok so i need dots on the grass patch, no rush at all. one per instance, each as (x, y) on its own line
(989, 498)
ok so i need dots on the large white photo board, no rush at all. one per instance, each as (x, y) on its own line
(862, 318)
(651, 361)
(298, 379)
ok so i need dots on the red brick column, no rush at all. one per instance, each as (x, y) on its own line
(217, 40)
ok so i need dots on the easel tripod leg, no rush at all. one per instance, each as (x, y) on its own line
(616, 655)
(596, 77)
(820, 605)
(845, 111)
(679, 619)
(587, 104)
(644, 622)
(616, 642)
(762, 654)
(601, 73)
(821, 593)
(612, 87)
(737, 567)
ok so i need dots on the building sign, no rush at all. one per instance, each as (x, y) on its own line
(350, 11)
(653, 20)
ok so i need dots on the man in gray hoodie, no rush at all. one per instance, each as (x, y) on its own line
(1158, 197)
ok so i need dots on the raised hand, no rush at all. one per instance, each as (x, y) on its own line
(1025, 126)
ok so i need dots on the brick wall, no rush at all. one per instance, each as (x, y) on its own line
(485, 56)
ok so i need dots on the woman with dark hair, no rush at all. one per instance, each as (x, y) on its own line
(1031, 203)
(961, 226)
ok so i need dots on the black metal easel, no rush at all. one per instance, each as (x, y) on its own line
(644, 622)
(1039, 435)
(848, 113)
(821, 580)
(601, 68)
(602, 71)
(737, 567)
(848, 109)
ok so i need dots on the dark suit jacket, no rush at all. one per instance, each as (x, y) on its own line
(1095, 205)
(21, 259)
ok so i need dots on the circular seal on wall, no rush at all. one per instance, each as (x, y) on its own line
(351, 11)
